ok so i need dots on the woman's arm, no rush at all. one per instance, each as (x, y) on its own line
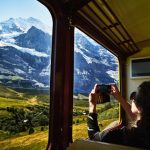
(126, 106)
(93, 99)
(93, 128)
(113, 136)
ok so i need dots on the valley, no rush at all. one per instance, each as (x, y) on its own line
(24, 118)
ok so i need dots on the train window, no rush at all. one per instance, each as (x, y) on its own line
(25, 51)
(92, 64)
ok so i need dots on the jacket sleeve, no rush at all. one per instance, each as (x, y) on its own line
(93, 128)
(114, 135)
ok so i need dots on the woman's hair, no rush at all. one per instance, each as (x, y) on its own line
(143, 95)
(142, 100)
(132, 95)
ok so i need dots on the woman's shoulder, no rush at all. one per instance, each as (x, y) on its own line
(114, 135)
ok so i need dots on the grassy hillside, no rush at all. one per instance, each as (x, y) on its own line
(36, 141)
(24, 117)
(24, 94)
(10, 93)
(22, 112)
(9, 102)
(107, 114)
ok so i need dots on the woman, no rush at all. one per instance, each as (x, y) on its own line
(136, 136)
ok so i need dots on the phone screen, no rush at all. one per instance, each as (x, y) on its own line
(104, 88)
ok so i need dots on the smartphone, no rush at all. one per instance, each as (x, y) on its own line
(104, 88)
(104, 91)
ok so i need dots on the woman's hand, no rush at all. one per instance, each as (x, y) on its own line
(126, 106)
(94, 98)
(115, 92)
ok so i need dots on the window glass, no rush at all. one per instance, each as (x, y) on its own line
(25, 51)
(92, 64)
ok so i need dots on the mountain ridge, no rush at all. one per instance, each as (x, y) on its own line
(25, 58)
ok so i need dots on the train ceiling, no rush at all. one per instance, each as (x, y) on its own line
(122, 26)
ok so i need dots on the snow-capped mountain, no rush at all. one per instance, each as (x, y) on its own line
(25, 51)
(30, 40)
(21, 25)
(93, 64)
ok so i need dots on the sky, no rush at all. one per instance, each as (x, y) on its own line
(24, 9)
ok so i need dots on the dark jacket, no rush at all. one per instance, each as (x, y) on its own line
(119, 135)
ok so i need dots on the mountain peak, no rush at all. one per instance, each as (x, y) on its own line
(11, 19)
(35, 39)
(23, 24)
(34, 28)
(33, 19)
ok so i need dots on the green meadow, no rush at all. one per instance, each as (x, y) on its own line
(24, 117)
(108, 115)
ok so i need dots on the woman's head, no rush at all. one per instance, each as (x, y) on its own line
(142, 98)
(134, 108)
(132, 96)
